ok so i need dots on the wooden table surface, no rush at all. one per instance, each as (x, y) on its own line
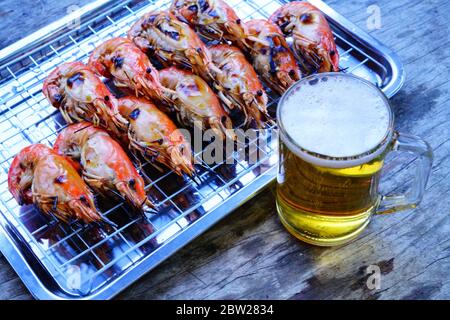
(250, 255)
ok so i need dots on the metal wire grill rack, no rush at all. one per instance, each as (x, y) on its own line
(82, 260)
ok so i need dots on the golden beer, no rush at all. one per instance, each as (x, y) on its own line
(332, 150)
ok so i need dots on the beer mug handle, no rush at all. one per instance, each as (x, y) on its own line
(414, 145)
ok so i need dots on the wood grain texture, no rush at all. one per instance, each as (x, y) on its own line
(249, 254)
(22, 17)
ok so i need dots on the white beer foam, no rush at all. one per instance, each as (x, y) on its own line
(339, 117)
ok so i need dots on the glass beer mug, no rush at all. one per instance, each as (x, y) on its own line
(335, 131)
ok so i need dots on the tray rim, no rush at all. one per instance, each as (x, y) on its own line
(18, 261)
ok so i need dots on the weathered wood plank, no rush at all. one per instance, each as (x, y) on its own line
(11, 287)
(249, 255)
(23, 17)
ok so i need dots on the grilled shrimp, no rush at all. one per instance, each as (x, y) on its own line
(195, 102)
(238, 85)
(213, 19)
(121, 60)
(153, 135)
(39, 175)
(21, 171)
(106, 166)
(80, 95)
(271, 56)
(312, 37)
(172, 41)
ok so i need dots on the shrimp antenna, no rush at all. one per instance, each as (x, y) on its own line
(117, 194)
(160, 169)
(137, 162)
(81, 129)
(52, 218)
(146, 208)
(55, 203)
(149, 210)
(78, 224)
(106, 221)
(194, 179)
(205, 167)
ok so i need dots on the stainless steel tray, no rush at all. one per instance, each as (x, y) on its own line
(57, 261)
